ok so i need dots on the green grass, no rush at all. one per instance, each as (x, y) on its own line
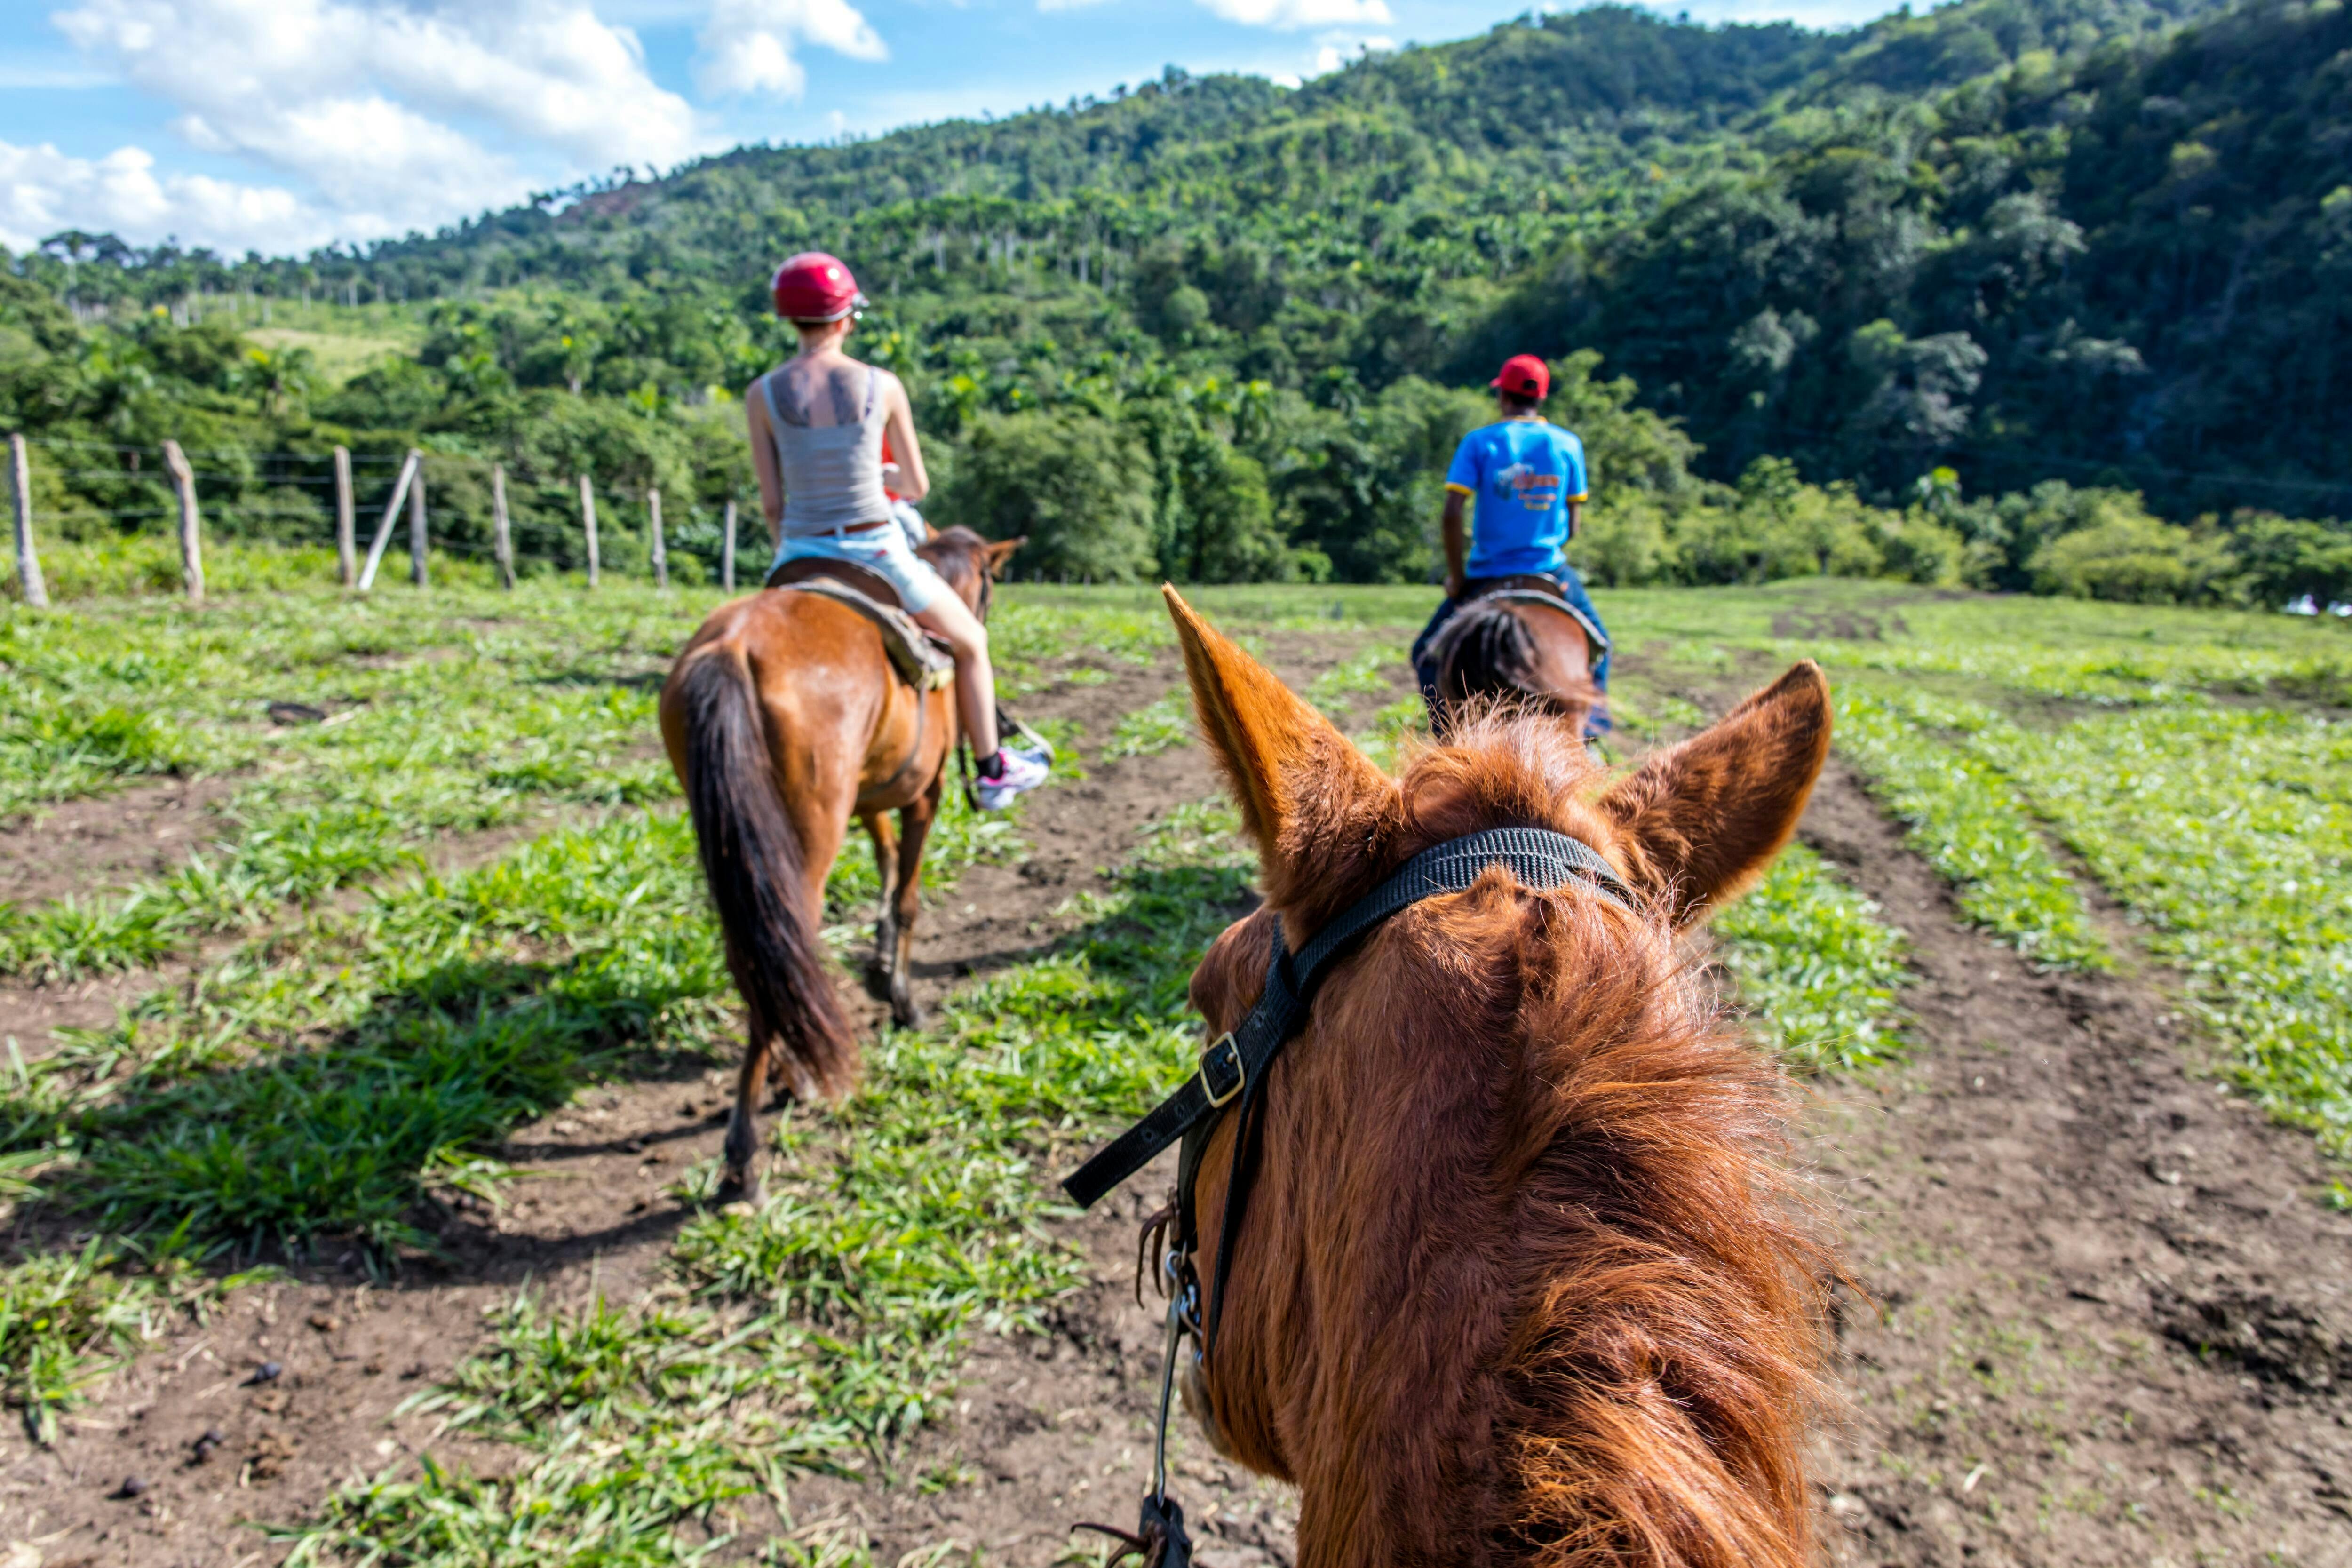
(1816, 967)
(422, 1026)
(342, 1070)
(1371, 673)
(2227, 834)
(821, 1328)
(68, 1319)
(1964, 817)
(1154, 728)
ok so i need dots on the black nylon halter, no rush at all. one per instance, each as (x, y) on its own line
(1232, 1070)
(1235, 1064)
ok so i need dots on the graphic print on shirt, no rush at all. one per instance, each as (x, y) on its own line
(1534, 489)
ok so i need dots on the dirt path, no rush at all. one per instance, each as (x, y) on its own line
(2042, 1198)
(2056, 1214)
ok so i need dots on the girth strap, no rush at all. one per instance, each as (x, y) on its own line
(1238, 1060)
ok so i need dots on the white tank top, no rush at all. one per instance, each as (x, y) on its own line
(831, 473)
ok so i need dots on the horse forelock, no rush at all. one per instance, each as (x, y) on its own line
(1527, 1266)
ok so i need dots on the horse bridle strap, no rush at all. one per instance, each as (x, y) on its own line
(1233, 1073)
(1239, 1058)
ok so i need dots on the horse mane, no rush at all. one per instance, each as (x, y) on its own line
(1489, 651)
(1618, 1270)
(959, 556)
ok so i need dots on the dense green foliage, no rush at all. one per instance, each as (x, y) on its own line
(1204, 329)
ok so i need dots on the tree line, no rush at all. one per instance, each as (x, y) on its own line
(1209, 328)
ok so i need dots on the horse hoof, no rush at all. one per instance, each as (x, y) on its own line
(737, 1187)
(905, 1014)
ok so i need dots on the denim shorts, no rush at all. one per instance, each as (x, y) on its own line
(881, 551)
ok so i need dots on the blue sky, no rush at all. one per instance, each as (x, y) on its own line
(277, 125)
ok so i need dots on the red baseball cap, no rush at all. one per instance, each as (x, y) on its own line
(1526, 375)
(814, 287)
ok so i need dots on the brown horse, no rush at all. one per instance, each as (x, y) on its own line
(784, 719)
(1514, 649)
(1523, 1278)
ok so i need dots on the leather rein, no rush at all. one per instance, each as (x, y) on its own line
(1233, 1074)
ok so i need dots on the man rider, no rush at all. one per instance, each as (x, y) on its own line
(818, 423)
(1527, 477)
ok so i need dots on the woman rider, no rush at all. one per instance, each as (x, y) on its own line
(818, 422)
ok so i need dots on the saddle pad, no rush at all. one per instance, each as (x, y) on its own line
(918, 657)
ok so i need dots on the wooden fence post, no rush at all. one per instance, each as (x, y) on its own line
(191, 551)
(29, 559)
(390, 509)
(661, 553)
(347, 563)
(502, 537)
(727, 552)
(416, 529)
(588, 522)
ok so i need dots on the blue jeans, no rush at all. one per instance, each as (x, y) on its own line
(1424, 663)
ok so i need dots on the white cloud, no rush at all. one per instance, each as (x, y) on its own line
(43, 190)
(1300, 13)
(747, 45)
(1338, 50)
(391, 112)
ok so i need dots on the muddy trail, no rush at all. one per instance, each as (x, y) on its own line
(2102, 1319)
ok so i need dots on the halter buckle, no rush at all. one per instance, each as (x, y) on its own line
(1230, 1061)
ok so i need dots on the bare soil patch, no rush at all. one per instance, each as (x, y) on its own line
(107, 841)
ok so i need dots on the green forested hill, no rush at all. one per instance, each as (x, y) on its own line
(2100, 241)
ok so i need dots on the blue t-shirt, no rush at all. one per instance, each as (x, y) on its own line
(1522, 473)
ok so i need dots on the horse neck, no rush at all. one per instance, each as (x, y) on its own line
(1549, 1308)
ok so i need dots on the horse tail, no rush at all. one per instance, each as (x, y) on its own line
(752, 860)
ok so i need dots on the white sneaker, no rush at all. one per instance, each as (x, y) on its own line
(1024, 770)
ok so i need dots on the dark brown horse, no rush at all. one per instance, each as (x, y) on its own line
(784, 720)
(1523, 1278)
(1518, 650)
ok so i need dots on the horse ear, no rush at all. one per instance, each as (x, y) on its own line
(1001, 552)
(1279, 754)
(1703, 820)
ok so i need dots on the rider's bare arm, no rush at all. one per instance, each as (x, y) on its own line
(911, 481)
(764, 461)
(1456, 542)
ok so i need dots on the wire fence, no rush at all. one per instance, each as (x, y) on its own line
(369, 488)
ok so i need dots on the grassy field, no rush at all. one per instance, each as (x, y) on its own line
(363, 1028)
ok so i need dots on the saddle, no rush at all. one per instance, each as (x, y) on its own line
(921, 660)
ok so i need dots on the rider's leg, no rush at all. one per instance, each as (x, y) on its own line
(1425, 662)
(975, 678)
(1572, 585)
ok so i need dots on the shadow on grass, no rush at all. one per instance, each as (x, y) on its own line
(323, 1146)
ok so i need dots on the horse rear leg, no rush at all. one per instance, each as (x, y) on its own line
(886, 868)
(906, 901)
(742, 1181)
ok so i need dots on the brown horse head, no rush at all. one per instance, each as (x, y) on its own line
(970, 564)
(1522, 1277)
(1523, 654)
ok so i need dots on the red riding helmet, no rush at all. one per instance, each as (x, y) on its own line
(814, 287)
